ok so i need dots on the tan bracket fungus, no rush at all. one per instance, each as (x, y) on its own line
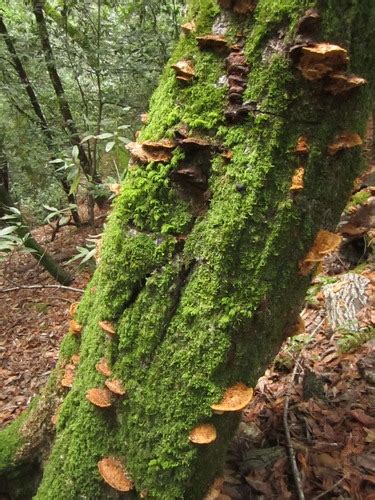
(68, 378)
(185, 70)
(99, 397)
(114, 474)
(75, 327)
(73, 309)
(115, 386)
(235, 398)
(188, 27)
(325, 243)
(297, 179)
(319, 59)
(203, 434)
(346, 140)
(103, 367)
(302, 146)
(146, 153)
(108, 327)
(216, 43)
(339, 83)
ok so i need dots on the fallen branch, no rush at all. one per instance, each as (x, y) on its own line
(32, 287)
(292, 454)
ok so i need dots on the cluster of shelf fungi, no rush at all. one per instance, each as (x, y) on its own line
(318, 62)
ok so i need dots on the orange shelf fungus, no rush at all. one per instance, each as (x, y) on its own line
(319, 59)
(163, 144)
(99, 397)
(75, 359)
(184, 70)
(214, 493)
(144, 118)
(340, 83)
(216, 43)
(343, 141)
(146, 152)
(103, 367)
(297, 179)
(115, 386)
(68, 378)
(203, 434)
(114, 474)
(73, 309)
(195, 142)
(302, 146)
(107, 327)
(324, 244)
(75, 327)
(235, 398)
(188, 27)
(115, 188)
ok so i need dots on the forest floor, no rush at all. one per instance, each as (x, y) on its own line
(320, 388)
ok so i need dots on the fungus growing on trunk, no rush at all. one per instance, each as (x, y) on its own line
(238, 6)
(75, 359)
(346, 140)
(144, 118)
(99, 397)
(297, 179)
(340, 83)
(103, 367)
(68, 378)
(188, 27)
(184, 70)
(75, 327)
(216, 43)
(237, 71)
(145, 154)
(320, 59)
(325, 243)
(114, 474)
(73, 309)
(235, 398)
(303, 146)
(297, 328)
(203, 434)
(115, 386)
(107, 327)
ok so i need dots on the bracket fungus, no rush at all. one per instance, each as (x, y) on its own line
(297, 328)
(75, 359)
(343, 141)
(237, 71)
(188, 27)
(73, 309)
(144, 118)
(297, 179)
(235, 398)
(146, 153)
(340, 83)
(320, 59)
(325, 243)
(75, 327)
(107, 327)
(103, 367)
(203, 434)
(216, 43)
(115, 386)
(185, 70)
(99, 397)
(114, 474)
(68, 378)
(303, 146)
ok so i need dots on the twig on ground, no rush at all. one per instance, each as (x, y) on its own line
(330, 489)
(292, 454)
(31, 287)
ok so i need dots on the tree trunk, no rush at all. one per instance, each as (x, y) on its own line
(65, 110)
(39, 253)
(200, 271)
(42, 121)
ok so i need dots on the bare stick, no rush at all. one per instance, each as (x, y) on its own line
(33, 287)
(292, 454)
(330, 489)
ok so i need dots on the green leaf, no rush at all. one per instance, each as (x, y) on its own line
(105, 135)
(109, 146)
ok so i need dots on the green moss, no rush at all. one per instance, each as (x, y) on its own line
(194, 319)
(11, 441)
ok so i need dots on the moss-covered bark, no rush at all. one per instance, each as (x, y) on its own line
(202, 297)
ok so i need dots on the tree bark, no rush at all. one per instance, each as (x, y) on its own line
(200, 266)
(42, 121)
(39, 253)
(65, 110)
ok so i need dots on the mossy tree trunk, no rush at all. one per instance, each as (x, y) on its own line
(199, 270)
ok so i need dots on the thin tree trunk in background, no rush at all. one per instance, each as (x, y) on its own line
(202, 272)
(42, 121)
(65, 110)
